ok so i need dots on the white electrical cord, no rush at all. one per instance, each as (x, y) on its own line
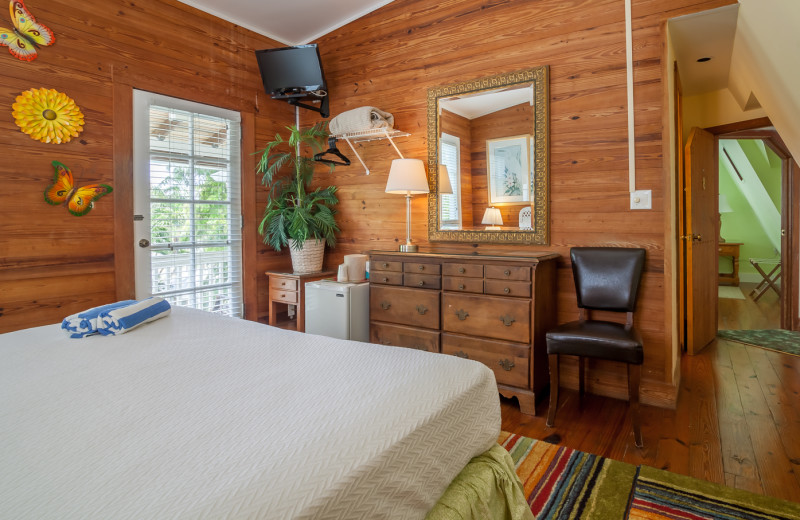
(629, 69)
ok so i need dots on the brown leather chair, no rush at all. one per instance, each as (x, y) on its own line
(606, 278)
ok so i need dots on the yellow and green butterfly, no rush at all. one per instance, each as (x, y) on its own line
(26, 35)
(79, 201)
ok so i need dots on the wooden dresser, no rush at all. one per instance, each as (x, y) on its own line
(493, 309)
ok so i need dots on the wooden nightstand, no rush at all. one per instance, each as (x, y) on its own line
(290, 289)
(730, 249)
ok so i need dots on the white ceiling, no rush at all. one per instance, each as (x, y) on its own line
(291, 22)
(705, 34)
(473, 106)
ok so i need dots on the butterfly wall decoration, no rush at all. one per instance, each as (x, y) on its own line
(27, 35)
(79, 201)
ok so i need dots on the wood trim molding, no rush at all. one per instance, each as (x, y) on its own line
(122, 143)
(750, 124)
(249, 233)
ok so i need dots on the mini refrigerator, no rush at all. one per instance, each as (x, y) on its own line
(338, 309)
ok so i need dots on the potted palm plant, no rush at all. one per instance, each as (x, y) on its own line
(303, 220)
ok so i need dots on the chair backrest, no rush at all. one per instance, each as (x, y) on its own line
(525, 218)
(607, 278)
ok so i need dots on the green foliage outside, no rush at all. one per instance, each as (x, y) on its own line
(292, 212)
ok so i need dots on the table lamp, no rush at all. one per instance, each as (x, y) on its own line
(724, 207)
(493, 218)
(407, 177)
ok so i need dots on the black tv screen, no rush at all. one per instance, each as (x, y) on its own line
(291, 71)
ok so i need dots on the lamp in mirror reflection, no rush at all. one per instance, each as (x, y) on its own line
(493, 218)
(445, 186)
(407, 177)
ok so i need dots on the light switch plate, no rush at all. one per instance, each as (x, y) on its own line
(642, 199)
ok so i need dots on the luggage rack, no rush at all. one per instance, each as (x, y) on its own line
(375, 134)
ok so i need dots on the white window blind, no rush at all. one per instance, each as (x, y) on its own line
(194, 204)
(450, 203)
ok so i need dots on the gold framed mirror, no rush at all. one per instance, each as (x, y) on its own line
(488, 159)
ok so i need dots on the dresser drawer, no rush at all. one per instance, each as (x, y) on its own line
(508, 288)
(411, 267)
(461, 284)
(285, 284)
(386, 265)
(467, 270)
(414, 307)
(507, 272)
(386, 277)
(510, 362)
(487, 316)
(422, 281)
(278, 295)
(400, 336)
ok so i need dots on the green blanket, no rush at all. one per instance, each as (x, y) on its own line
(488, 487)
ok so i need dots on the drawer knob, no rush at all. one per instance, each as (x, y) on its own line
(462, 314)
(385, 305)
(385, 279)
(385, 265)
(461, 270)
(461, 286)
(507, 320)
(283, 295)
(462, 354)
(507, 272)
(506, 290)
(506, 364)
(421, 268)
(422, 309)
(421, 283)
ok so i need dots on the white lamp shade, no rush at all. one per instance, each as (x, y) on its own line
(724, 206)
(492, 217)
(407, 176)
(444, 180)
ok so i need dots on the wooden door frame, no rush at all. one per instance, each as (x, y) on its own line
(762, 129)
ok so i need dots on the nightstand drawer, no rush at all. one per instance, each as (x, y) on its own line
(503, 288)
(422, 281)
(488, 316)
(461, 284)
(282, 296)
(507, 272)
(399, 336)
(413, 307)
(285, 284)
(467, 270)
(386, 277)
(411, 267)
(509, 361)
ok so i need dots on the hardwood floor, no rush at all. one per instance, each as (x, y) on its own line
(737, 421)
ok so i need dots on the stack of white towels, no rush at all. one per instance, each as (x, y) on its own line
(115, 318)
(361, 119)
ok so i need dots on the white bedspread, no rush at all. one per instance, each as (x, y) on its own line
(200, 416)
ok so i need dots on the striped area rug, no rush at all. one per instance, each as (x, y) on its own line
(562, 483)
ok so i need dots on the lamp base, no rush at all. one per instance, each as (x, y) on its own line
(409, 248)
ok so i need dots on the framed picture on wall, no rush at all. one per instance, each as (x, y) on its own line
(508, 170)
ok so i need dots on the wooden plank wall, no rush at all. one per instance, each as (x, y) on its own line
(53, 264)
(391, 57)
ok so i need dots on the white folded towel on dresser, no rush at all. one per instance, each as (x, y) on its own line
(360, 119)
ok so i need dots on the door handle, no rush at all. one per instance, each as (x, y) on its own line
(144, 242)
(696, 238)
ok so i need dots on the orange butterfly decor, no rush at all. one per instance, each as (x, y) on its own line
(79, 200)
(27, 35)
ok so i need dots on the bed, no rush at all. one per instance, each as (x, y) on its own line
(202, 416)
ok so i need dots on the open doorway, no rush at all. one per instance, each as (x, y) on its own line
(750, 246)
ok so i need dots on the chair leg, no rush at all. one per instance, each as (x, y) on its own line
(634, 377)
(551, 412)
(581, 375)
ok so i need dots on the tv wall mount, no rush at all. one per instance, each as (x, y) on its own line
(295, 98)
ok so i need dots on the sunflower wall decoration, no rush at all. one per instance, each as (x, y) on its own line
(47, 115)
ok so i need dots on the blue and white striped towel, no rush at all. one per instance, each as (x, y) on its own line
(124, 319)
(84, 323)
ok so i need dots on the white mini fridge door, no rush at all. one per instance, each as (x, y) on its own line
(328, 309)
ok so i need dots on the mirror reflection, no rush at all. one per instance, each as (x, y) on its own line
(490, 159)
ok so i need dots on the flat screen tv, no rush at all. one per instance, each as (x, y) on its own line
(292, 72)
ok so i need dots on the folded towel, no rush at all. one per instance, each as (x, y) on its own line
(84, 323)
(124, 319)
(360, 119)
